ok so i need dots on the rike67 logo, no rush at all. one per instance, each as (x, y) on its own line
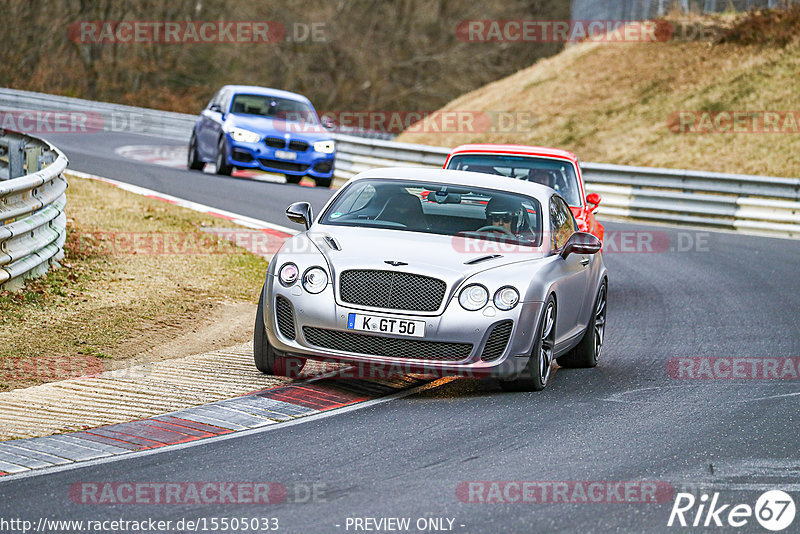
(774, 510)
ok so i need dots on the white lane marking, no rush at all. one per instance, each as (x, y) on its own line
(167, 155)
(774, 397)
(225, 437)
(622, 396)
(237, 218)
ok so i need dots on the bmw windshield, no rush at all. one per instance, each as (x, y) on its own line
(443, 209)
(273, 107)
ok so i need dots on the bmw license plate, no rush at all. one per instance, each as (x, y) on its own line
(385, 325)
(285, 154)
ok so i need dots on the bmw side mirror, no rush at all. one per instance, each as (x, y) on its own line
(216, 107)
(582, 243)
(301, 213)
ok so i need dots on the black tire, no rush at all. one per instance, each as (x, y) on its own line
(223, 167)
(267, 360)
(323, 182)
(291, 179)
(192, 158)
(536, 374)
(587, 351)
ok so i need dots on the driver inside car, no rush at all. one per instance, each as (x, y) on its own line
(508, 217)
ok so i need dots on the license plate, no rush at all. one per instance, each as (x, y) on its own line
(385, 325)
(283, 154)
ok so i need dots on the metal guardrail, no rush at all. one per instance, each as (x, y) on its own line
(118, 118)
(99, 116)
(753, 204)
(32, 199)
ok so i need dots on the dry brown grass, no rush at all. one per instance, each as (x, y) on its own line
(105, 307)
(612, 102)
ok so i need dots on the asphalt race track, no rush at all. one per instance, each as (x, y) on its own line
(728, 296)
(94, 154)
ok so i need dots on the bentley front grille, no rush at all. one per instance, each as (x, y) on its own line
(391, 290)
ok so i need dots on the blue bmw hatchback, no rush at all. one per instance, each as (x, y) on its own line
(249, 127)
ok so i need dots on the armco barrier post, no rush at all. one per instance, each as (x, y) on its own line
(33, 157)
(16, 148)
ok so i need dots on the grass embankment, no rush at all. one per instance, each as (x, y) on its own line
(114, 301)
(618, 103)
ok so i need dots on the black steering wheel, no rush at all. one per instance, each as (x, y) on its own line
(500, 229)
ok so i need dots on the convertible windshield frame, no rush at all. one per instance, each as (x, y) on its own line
(356, 207)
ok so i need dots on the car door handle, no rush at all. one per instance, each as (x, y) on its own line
(585, 261)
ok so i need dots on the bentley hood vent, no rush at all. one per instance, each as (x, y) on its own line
(332, 243)
(481, 259)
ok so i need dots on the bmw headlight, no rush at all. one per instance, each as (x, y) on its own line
(473, 297)
(288, 274)
(506, 298)
(244, 136)
(326, 147)
(315, 279)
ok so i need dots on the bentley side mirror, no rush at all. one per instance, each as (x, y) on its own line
(301, 213)
(582, 243)
(593, 199)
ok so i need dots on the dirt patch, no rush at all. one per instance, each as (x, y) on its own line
(214, 326)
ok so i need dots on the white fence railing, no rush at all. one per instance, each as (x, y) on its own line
(753, 204)
(32, 200)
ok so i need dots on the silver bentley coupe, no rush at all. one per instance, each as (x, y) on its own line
(439, 272)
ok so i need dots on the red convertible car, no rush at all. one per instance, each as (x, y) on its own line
(552, 167)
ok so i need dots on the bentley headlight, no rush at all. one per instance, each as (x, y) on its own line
(288, 274)
(473, 297)
(244, 136)
(326, 147)
(315, 279)
(506, 298)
